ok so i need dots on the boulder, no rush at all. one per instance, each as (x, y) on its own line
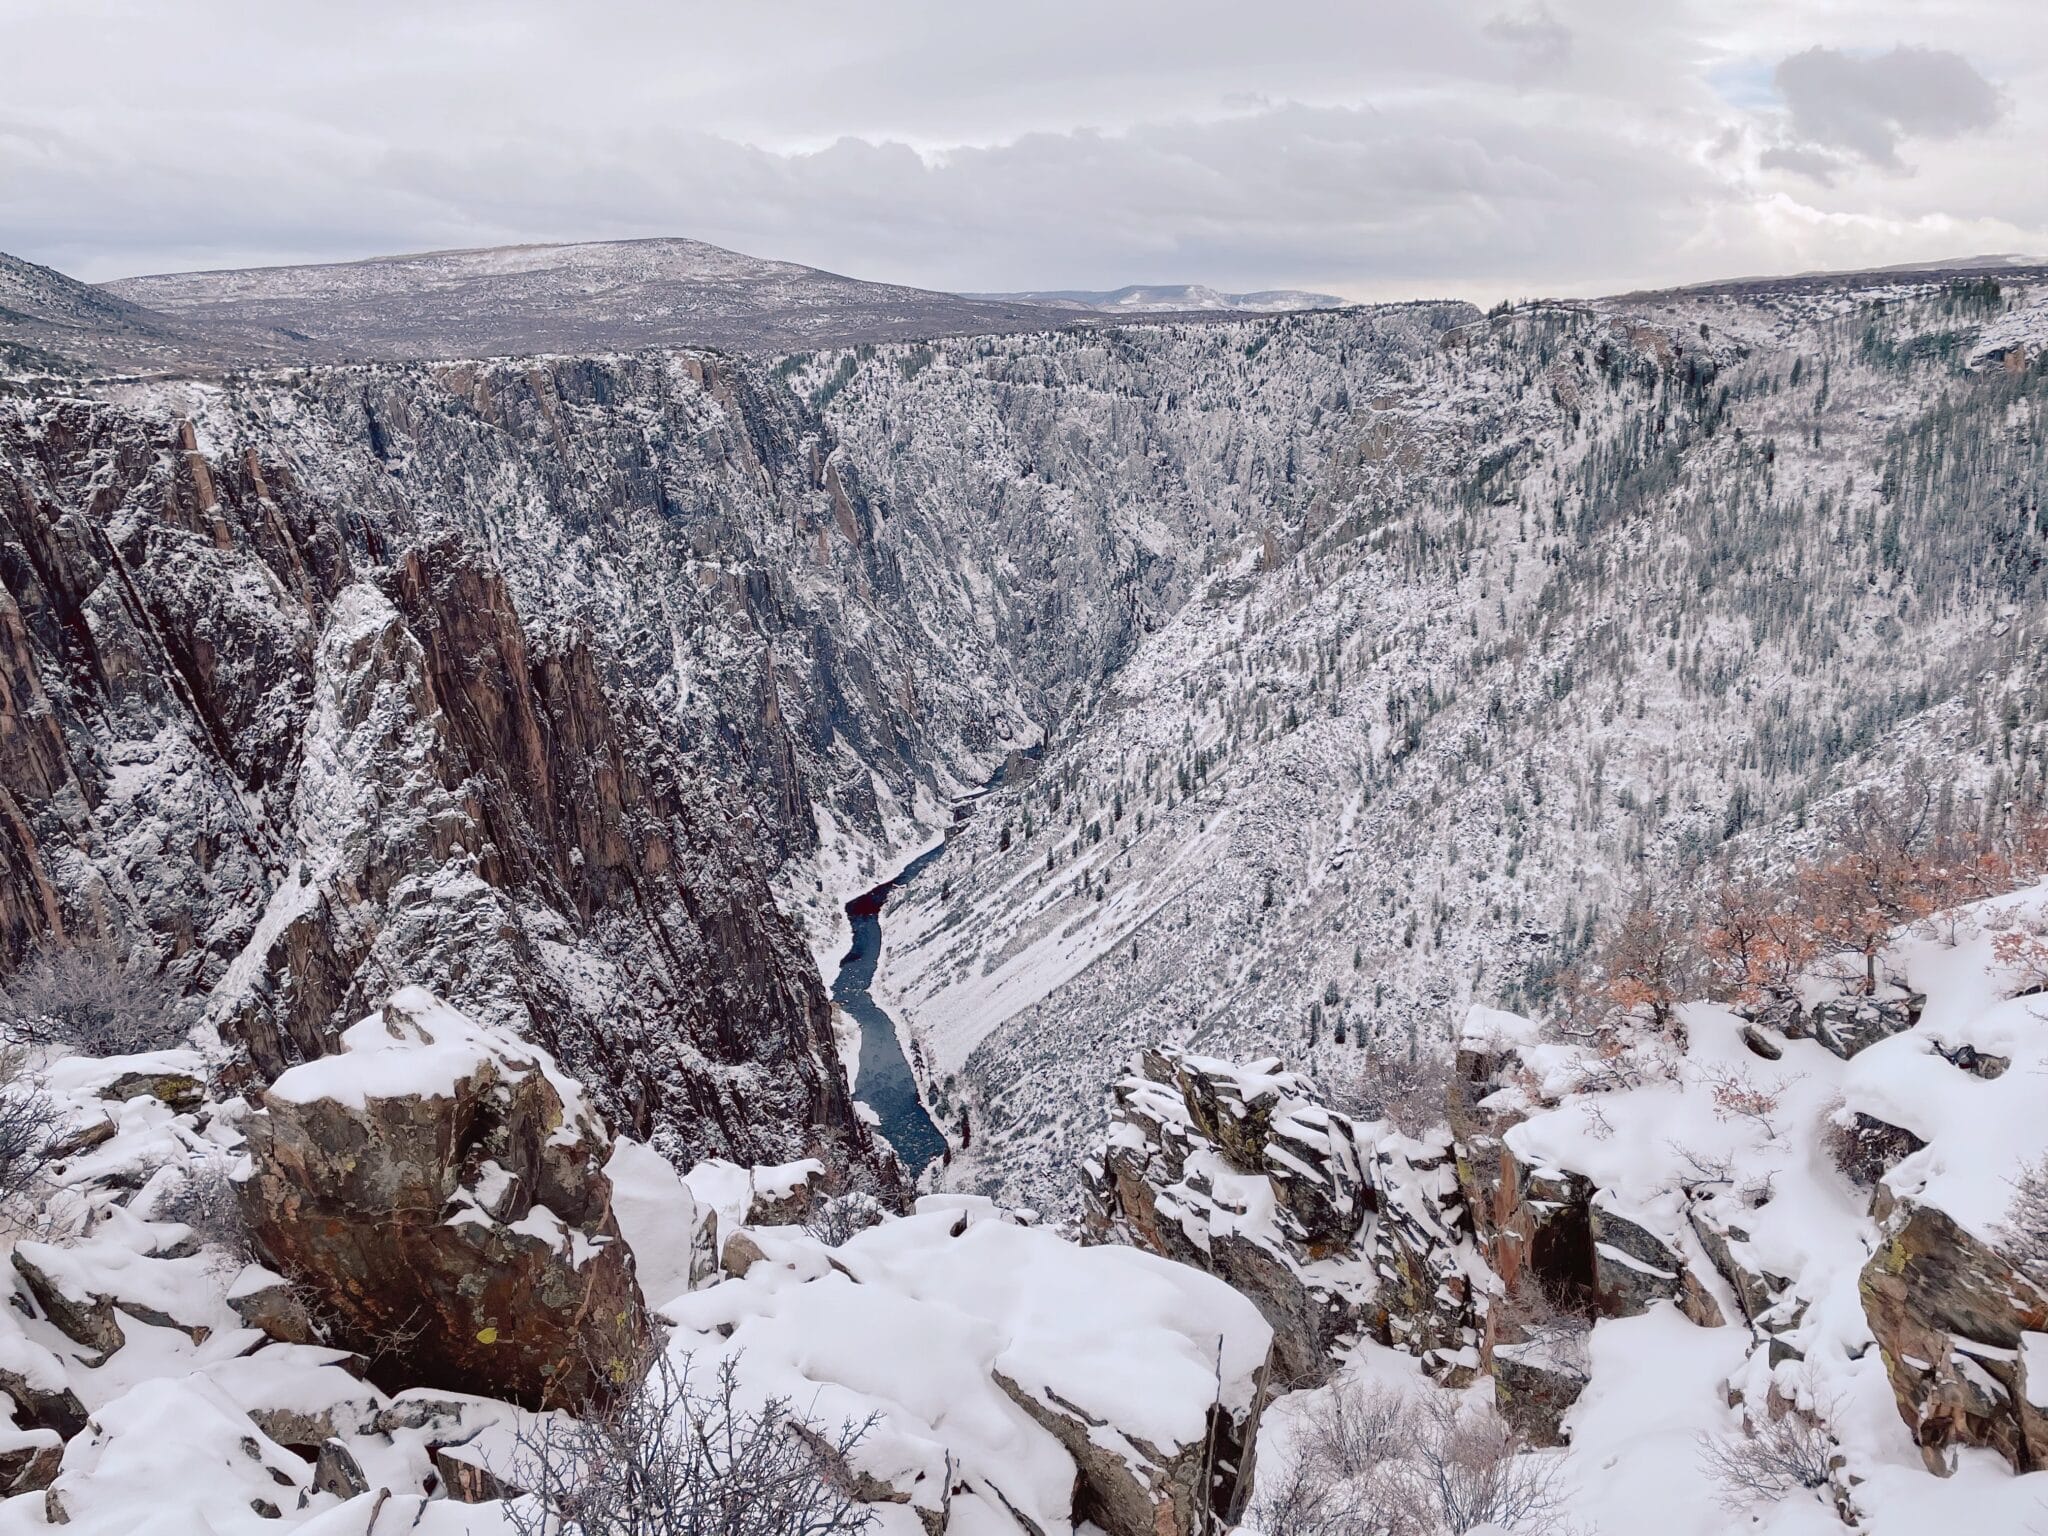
(1533, 1385)
(29, 1459)
(273, 1306)
(34, 1379)
(1129, 1487)
(1633, 1267)
(178, 1091)
(1951, 1316)
(787, 1195)
(1162, 1182)
(336, 1471)
(1847, 1025)
(439, 1187)
(80, 1314)
(466, 1478)
(79, 1286)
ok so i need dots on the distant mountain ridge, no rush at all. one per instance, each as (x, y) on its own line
(599, 297)
(604, 296)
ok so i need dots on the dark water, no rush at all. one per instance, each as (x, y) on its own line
(886, 1085)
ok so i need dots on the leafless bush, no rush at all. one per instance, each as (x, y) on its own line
(206, 1202)
(669, 1460)
(1703, 1167)
(1769, 1461)
(1467, 1469)
(2024, 1232)
(1737, 1095)
(30, 1122)
(840, 1217)
(1329, 1488)
(1374, 1462)
(83, 996)
(1411, 1095)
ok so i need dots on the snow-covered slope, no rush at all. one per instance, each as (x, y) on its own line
(1576, 595)
(1747, 1271)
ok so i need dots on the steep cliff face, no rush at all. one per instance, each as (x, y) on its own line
(296, 747)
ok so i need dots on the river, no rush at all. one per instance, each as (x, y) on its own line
(886, 1085)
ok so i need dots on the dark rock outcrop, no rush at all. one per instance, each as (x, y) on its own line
(1191, 1141)
(1954, 1320)
(1848, 1025)
(275, 721)
(440, 1189)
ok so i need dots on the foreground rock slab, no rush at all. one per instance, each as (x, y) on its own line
(439, 1190)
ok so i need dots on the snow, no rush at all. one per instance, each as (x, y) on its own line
(657, 1216)
(915, 1319)
(419, 1046)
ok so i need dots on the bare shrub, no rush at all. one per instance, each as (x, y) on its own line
(1546, 1323)
(1376, 1462)
(1737, 1095)
(2023, 950)
(84, 996)
(2024, 1232)
(1469, 1468)
(1329, 1487)
(840, 1217)
(1412, 1095)
(1771, 1460)
(668, 1459)
(30, 1126)
(205, 1200)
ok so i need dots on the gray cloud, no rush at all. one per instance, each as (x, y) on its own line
(1541, 43)
(1864, 107)
(1558, 145)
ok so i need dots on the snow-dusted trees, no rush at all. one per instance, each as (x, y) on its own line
(1754, 942)
(1406, 1090)
(1882, 870)
(29, 1122)
(1885, 864)
(1651, 962)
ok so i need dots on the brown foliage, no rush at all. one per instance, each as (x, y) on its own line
(1888, 865)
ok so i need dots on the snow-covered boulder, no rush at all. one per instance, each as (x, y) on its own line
(442, 1184)
(1950, 1305)
(1017, 1382)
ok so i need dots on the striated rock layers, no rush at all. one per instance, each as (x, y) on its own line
(297, 747)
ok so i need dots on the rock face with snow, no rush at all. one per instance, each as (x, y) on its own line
(1336, 1228)
(1017, 1382)
(1234, 1170)
(440, 1190)
(1959, 1326)
(296, 746)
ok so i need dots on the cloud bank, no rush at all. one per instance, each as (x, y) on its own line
(1565, 146)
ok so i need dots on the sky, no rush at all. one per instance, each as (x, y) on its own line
(1472, 148)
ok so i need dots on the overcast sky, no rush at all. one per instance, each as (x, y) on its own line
(1366, 148)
